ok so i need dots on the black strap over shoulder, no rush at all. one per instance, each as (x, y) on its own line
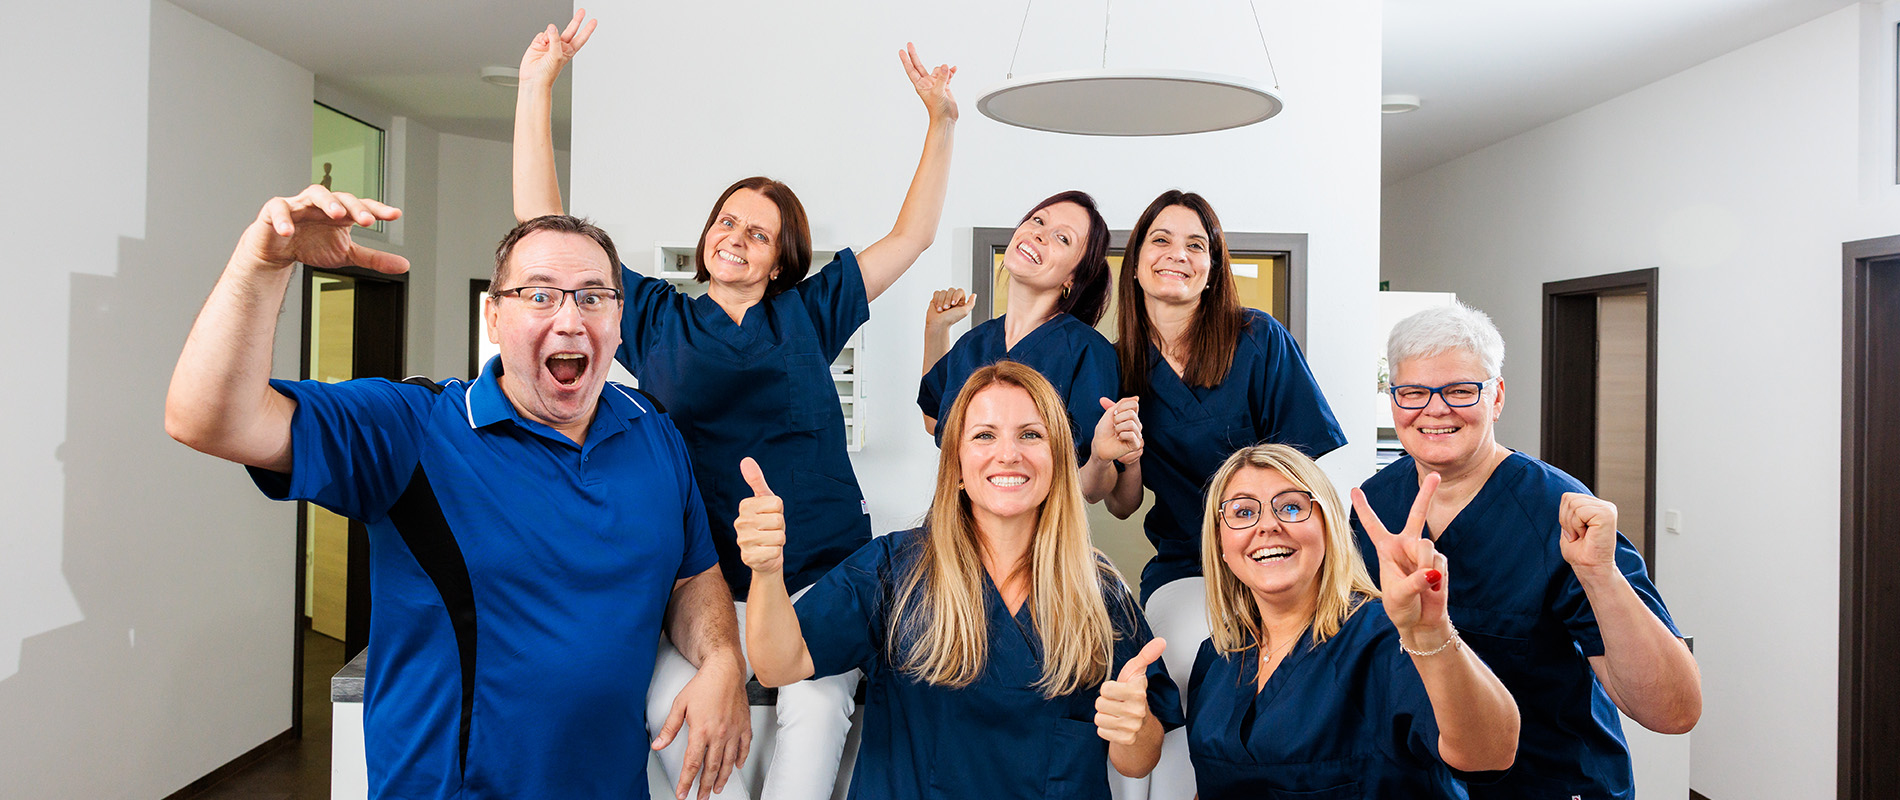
(424, 382)
(657, 405)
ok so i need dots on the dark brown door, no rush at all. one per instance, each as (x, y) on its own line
(353, 328)
(1869, 746)
(1599, 393)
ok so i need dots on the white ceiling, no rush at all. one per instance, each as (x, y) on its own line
(1485, 70)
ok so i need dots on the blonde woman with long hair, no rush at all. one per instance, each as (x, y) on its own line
(1314, 679)
(1003, 655)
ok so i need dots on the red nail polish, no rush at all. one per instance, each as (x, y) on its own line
(1433, 577)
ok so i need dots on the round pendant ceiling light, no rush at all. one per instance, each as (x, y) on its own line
(1130, 102)
(1100, 102)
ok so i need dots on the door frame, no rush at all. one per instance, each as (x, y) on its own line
(1857, 668)
(1570, 366)
(356, 615)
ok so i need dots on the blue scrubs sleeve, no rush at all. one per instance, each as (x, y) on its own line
(648, 302)
(1573, 607)
(1294, 411)
(354, 445)
(1097, 375)
(1415, 731)
(930, 391)
(842, 615)
(835, 300)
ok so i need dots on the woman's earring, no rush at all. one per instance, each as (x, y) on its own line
(1065, 290)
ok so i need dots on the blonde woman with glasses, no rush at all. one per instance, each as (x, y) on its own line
(1315, 680)
(1003, 655)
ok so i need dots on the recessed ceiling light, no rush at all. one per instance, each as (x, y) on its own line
(502, 76)
(1398, 103)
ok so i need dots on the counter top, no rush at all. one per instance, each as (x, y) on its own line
(347, 685)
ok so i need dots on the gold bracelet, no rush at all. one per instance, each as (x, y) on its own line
(1452, 642)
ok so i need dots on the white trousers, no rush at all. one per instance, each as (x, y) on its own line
(813, 719)
(1178, 613)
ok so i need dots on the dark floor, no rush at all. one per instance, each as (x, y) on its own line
(298, 770)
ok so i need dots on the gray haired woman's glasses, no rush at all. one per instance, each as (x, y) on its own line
(1462, 394)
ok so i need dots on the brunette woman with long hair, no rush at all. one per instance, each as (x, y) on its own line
(1208, 376)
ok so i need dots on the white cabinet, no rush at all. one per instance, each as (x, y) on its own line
(673, 263)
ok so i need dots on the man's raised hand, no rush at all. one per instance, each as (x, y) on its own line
(313, 227)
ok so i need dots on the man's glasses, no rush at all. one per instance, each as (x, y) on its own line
(547, 299)
(1292, 505)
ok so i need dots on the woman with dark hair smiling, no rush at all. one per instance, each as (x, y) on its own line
(745, 372)
(1058, 288)
(1206, 376)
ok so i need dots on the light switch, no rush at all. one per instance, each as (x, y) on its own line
(1672, 521)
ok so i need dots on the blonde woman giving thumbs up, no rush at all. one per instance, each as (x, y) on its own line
(1003, 655)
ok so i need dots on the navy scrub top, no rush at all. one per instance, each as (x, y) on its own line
(1347, 719)
(1073, 356)
(995, 739)
(1519, 605)
(1269, 395)
(762, 389)
(519, 579)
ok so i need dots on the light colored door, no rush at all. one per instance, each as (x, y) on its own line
(332, 355)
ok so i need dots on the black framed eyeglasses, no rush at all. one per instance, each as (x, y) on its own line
(1461, 394)
(1292, 505)
(548, 299)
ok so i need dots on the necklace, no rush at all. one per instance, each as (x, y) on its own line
(1267, 655)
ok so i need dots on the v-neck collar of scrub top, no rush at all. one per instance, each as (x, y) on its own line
(1243, 714)
(488, 405)
(1172, 390)
(1496, 487)
(1047, 328)
(744, 336)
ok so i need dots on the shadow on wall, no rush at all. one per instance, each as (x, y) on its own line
(182, 575)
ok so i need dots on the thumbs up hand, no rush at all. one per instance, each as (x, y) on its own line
(761, 524)
(1122, 709)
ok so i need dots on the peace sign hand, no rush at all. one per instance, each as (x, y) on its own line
(1412, 573)
(1123, 707)
(932, 85)
(552, 49)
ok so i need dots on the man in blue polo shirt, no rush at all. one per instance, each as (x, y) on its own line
(530, 530)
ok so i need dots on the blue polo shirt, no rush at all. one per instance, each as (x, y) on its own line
(518, 579)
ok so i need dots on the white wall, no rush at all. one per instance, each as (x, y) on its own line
(151, 615)
(475, 211)
(670, 106)
(1739, 179)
